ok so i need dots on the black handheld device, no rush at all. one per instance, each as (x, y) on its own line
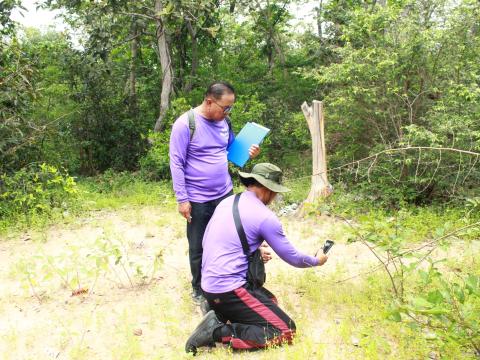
(327, 246)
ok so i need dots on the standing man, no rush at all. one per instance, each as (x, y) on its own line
(199, 166)
(243, 316)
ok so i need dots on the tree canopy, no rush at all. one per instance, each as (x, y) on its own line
(391, 74)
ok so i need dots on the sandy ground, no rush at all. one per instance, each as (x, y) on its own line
(115, 320)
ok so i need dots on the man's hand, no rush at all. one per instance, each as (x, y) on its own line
(185, 208)
(265, 252)
(322, 259)
(254, 151)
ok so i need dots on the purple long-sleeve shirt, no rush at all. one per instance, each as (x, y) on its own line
(224, 265)
(199, 166)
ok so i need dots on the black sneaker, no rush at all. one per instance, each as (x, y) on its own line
(204, 307)
(197, 296)
(203, 334)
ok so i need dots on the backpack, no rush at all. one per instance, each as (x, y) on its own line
(192, 123)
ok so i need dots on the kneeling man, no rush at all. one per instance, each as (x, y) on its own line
(242, 316)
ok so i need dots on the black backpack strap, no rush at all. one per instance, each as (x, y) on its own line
(239, 226)
(191, 122)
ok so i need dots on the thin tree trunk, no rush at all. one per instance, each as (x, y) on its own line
(132, 91)
(182, 55)
(232, 6)
(320, 20)
(270, 58)
(193, 70)
(166, 64)
(281, 55)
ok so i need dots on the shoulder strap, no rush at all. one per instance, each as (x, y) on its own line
(191, 122)
(229, 122)
(239, 226)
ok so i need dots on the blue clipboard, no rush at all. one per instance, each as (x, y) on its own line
(252, 133)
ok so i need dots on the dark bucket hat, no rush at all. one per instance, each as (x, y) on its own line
(268, 175)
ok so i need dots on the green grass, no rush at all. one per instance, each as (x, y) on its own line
(357, 310)
(94, 194)
(136, 192)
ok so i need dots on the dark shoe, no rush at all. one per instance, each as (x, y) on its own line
(204, 307)
(203, 334)
(197, 296)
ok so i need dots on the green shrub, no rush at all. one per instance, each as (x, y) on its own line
(112, 181)
(155, 165)
(35, 190)
(447, 306)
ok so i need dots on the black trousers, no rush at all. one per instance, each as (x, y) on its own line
(256, 319)
(201, 215)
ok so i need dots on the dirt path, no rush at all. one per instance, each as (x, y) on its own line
(106, 322)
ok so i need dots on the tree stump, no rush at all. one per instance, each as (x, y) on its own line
(320, 187)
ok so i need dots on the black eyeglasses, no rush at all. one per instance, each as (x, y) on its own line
(226, 109)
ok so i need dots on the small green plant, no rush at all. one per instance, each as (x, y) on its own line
(36, 190)
(127, 270)
(449, 307)
(28, 272)
(79, 268)
(75, 270)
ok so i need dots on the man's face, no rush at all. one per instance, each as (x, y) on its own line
(218, 109)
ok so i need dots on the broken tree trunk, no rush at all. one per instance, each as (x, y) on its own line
(320, 186)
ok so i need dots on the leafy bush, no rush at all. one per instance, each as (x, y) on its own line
(35, 190)
(112, 181)
(377, 99)
(438, 300)
(155, 165)
(449, 307)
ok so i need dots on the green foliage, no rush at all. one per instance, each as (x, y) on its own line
(114, 190)
(155, 165)
(447, 305)
(36, 190)
(54, 109)
(17, 92)
(7, 26)
(403, 241)
(404, 76)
